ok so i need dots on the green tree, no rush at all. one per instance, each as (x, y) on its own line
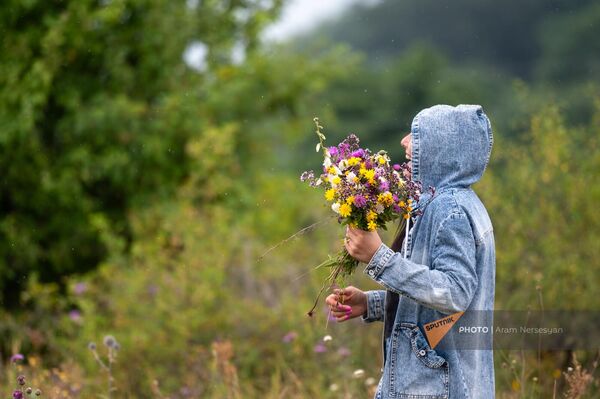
(96, 108)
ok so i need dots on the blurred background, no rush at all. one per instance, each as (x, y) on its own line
(150, 153)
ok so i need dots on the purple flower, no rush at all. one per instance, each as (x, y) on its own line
(333, 151)
(17, 394)
(80, 288)
(289, 337)
(396, 166)
(344, 352)
(320, 348)
(75, 315)
(384, 186)
(360, 201)
(16, 358)
(397, 209)
(358, 153)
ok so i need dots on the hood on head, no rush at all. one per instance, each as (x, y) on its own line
(451, 146)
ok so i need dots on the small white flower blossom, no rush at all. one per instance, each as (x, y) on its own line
(334, 387)
(327, 162)
(350, 177)
(336, 207)
(343, 164)
(370, 381)
(379, 208)
(358, 373)
(327, 338)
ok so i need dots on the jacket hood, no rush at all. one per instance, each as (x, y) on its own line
(451, 146)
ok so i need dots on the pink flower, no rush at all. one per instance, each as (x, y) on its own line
(320, 348)
(344, 352)
(75, 315)
(289, 337)
(16, 358)
(80, 288)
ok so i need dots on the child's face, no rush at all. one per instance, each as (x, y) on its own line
(407, 144)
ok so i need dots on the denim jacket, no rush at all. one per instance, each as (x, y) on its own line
(448, 267)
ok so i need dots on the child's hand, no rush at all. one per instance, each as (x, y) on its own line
(362, 245)
(347, 304)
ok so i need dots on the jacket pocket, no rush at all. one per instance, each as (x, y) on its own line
(416, 370)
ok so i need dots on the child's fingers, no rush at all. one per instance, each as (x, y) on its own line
(342, 318)
(331, 300)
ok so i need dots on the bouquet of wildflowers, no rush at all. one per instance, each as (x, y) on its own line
(364, 189)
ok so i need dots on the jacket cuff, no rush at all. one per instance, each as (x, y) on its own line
(375, 300)
(378, 261)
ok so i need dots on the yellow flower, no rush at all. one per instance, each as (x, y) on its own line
(402, 204)
(330, 194)
(406, 215)
(345, 210)
(371, 215)
(381, 160)
(336, 180)
(353, 161)
(350, 200)
(372, 226)
(332, 171)
(385, 198)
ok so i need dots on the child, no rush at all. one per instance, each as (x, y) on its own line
(448, 265)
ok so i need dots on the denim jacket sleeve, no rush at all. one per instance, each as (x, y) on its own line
(448, 284)
(375, 303)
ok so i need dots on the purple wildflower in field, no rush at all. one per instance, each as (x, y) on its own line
(344, 352)
(17, 394)
(16, 358)
(80, 288)
(75, 315)
(289, 337)
(320, 348)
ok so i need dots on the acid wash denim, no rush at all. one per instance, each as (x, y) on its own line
(448, 267)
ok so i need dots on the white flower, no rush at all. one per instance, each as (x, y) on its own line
(370, 381)
(343, 164)
(333, 387)
(358, 373)
(327, 338)
(318, 182)
(327, 162)
(336, 207)
(379, 208)
(350, 177)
